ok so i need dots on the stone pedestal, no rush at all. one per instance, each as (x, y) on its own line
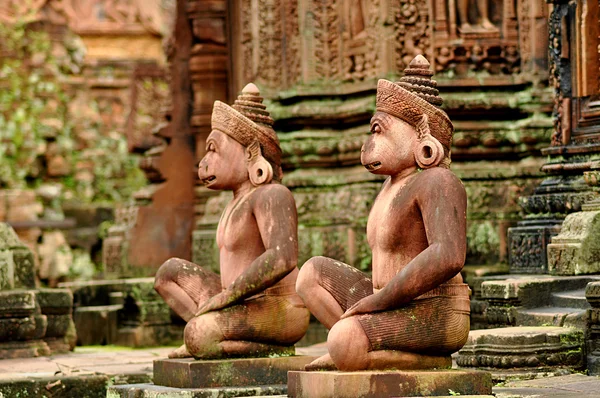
(189, 373)
(393, 383)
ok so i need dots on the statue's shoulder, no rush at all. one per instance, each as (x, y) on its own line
(272, 192)
(440, 174)
(441, 180)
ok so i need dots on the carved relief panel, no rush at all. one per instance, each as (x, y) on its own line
(281, 44)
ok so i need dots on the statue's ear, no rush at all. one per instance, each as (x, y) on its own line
(260, 170)
(429, 152)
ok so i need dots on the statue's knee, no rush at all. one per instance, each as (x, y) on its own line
(166, 273)
(202, 335)
(308, 275)
(348, 345)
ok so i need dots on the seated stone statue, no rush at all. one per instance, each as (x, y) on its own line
(414, 312)
(252, 308)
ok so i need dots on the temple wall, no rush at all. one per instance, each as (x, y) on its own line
(317, 64)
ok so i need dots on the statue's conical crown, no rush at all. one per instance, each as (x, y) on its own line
(417, 79)
(248, 120)
(249, 104)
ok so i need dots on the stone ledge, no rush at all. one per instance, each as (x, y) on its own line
(529, 348)
(189, 373)
(367, 384)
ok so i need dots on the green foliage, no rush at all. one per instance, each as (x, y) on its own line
(33, 103)
(44, 117)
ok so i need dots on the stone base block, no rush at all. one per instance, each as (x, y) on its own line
(153, 391)
(393, 383)
(527, 348)
(189, 373)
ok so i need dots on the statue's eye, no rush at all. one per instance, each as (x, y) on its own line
(210, 147)
(376, 129)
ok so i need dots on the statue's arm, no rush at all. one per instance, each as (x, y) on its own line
(275, 213)
(443, 203)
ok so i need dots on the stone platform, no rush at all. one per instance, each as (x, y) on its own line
(90, 371)
(189, 373)
(393, 383)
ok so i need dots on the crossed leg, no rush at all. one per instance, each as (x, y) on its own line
(184, 286)
(327, 301)
(389, 339)
(258, 327)
(264, 325)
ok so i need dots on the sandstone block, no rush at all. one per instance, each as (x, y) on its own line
(189, 373)
(17, 304)
(576, 250)
(55, 301)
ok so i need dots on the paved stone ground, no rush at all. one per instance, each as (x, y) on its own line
(56, 376)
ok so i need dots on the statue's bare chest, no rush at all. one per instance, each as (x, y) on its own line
(395, 219)
(237, 227)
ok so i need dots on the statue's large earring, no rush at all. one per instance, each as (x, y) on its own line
(260, 170)
(429, 152)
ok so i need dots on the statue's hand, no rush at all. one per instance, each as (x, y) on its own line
(214, 303)
(372, 303)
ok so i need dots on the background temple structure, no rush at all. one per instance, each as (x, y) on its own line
(126, 88)
(317, 63)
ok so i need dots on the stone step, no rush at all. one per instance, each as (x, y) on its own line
(551, 316)
(152, 391)
(571, 298)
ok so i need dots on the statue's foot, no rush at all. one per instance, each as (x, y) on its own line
(181, 352)
(486, 24)
(322, 363)
(466, 28)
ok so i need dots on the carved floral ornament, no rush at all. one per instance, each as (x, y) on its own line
(92, 16)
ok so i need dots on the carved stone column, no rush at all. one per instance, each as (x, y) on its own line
(163, 227)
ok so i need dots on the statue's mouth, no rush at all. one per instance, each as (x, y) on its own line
(209, 180)
(373, 166)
